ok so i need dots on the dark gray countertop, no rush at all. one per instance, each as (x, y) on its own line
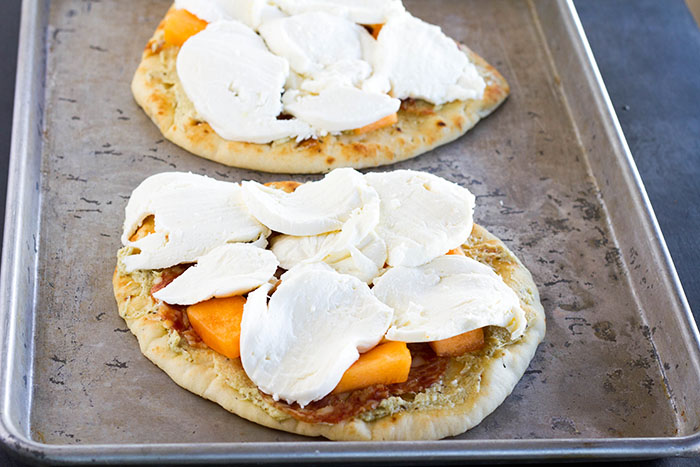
(649, 55)
(648, 52)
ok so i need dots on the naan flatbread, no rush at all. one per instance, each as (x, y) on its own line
(472, 386)
(421, 126)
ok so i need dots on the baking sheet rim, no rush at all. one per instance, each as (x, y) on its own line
(34, 14)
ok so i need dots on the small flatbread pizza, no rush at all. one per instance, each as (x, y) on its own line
(305, 86)
(357, 307)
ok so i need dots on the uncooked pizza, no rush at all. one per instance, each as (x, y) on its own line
(356, 307)
(305, 86)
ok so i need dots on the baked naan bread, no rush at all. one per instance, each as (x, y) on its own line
(421, 126)
(463, 390)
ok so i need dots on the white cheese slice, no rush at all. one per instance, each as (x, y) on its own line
(193, 215)
(326, 52)
(358, 11)
(297, 346)
(447, 297)
(236, 84)
(294, 80)
(356, 250)
(208, 10)
(230, 269)
(252, 13)
(312, 41)
(415, 59)
(313, 208)
(422, 216)
(364, 260)
(339, 108)
(343, 73)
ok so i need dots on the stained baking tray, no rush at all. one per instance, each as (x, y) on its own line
(619, 370)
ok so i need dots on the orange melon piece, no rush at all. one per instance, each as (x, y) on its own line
(374, 29)
(387, 363)
(180, 25)
(456, 251)
(381, 123)
(147, 227)
(459, 344)
(217, 322)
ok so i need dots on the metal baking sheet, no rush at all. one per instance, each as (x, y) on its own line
(618, 372)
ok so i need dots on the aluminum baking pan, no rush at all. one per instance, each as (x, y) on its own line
(616, 376)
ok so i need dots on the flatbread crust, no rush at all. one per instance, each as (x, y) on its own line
(445, 409)
(420, 128)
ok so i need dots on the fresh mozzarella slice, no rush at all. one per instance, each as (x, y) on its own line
(344, 73)
(208, 10)
(236, 84)
(415, 59)
(312, 41)
(193, 215)
(294, 80)
(339, 108)
(363, 260)
(297, 346)
(231, 269)
(252, 13)
(313, 208)
(355, 250)
(422, 216)
(148, 188)
(358, 11)
(447, 297)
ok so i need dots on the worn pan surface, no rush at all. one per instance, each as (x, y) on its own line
(617, 374)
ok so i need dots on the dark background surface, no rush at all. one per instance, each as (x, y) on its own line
(648, 52)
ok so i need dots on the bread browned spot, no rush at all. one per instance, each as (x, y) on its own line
(287, 186)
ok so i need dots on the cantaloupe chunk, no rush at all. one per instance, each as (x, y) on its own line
(459, 344)
(374, 29)
(381, 123)
(217, 322)
(180, 25)
(147, 227)
(456, 251)
(387, 363)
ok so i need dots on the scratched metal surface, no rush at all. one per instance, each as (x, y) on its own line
(542, 183)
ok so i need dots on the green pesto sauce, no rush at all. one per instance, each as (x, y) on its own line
(140, 304)
(459, 383)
